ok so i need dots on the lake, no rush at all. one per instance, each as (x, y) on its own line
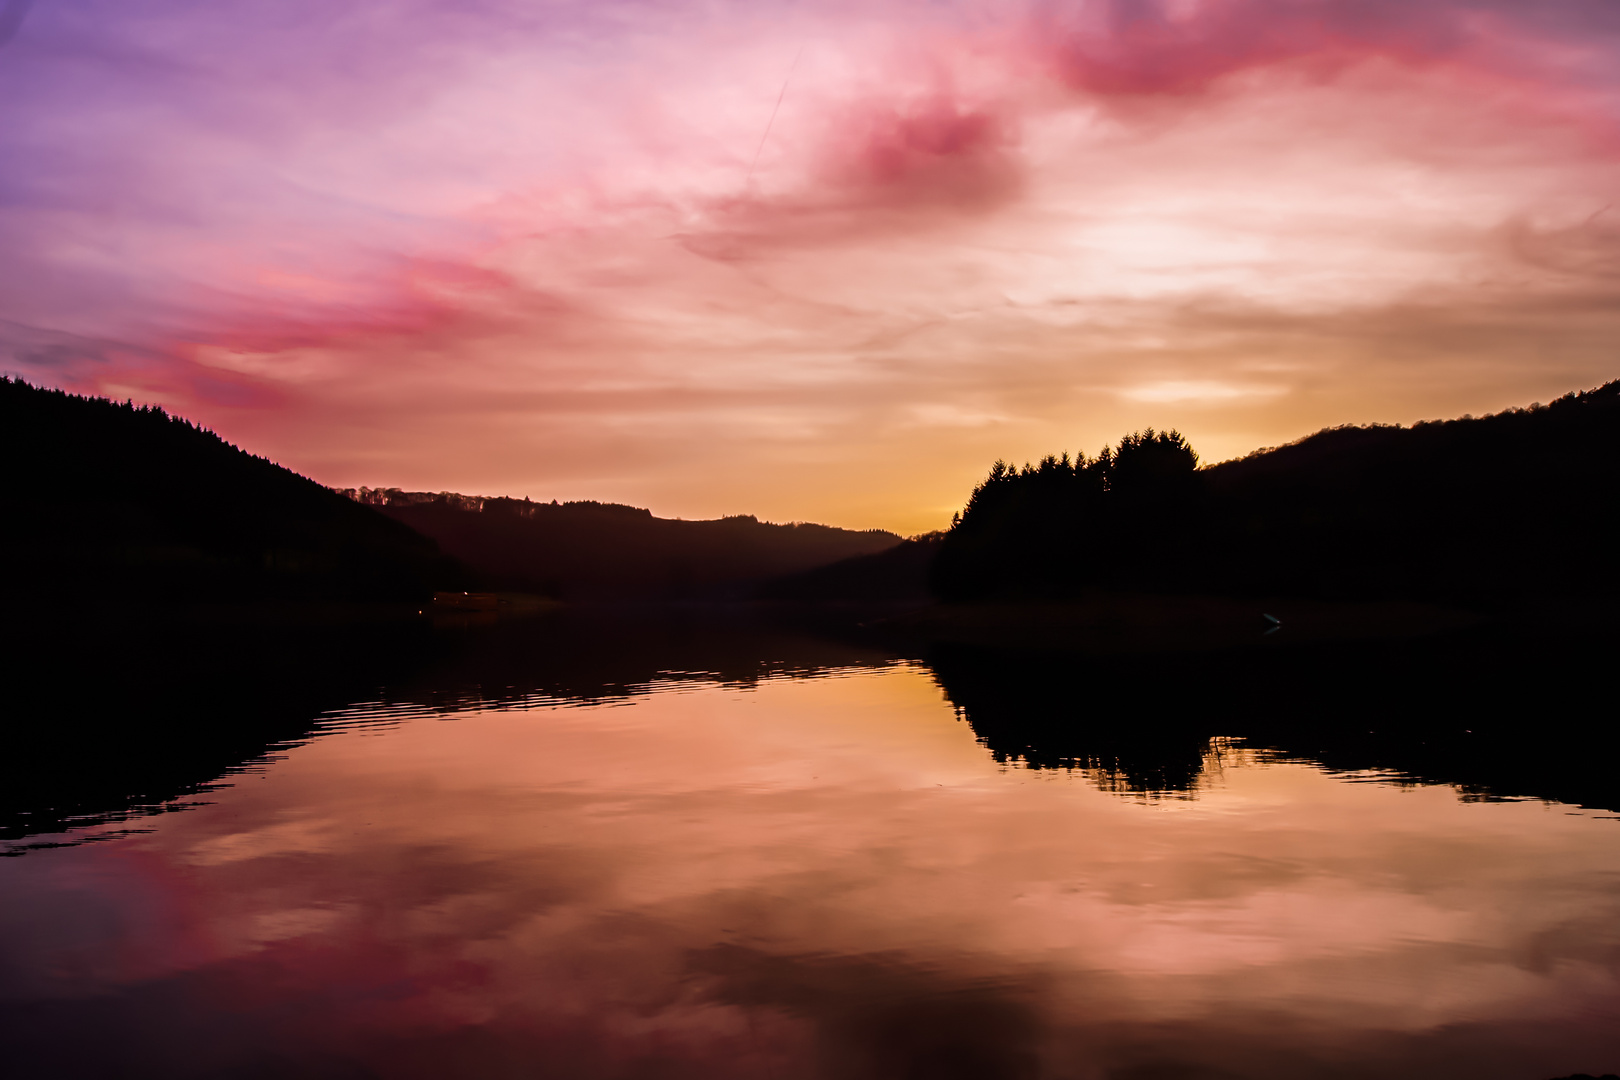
(739, 855)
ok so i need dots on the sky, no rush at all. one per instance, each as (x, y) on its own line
(815, 261)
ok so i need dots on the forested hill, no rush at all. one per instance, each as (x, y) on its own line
(1522, 506)
(1522, 503)
(105, 501)
(606, 551)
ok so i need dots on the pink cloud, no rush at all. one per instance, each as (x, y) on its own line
(973, 230)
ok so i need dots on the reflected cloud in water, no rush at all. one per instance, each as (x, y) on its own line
(806, 877)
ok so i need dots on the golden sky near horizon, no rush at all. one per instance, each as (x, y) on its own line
(810, 261)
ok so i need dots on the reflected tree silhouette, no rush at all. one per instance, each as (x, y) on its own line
(1496, 712)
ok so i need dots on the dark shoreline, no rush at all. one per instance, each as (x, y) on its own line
(122, 712)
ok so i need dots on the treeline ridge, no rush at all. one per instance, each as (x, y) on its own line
(1502, 509)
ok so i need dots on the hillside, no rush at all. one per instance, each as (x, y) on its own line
(605, 551)
(1519, 507)
(895, 575)
(108, 501)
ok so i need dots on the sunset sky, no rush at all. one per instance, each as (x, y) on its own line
(812, 261)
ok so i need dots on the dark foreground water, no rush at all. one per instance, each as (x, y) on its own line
(732, 855)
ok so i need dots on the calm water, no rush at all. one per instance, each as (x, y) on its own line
(820, 873)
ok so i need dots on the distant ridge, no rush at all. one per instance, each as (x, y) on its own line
(109, 501)
(591, 550)
(898, 575)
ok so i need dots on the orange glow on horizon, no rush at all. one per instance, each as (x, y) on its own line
(554, 259)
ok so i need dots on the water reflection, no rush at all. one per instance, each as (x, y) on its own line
(1497, 712)
(125, 714)
(787, 876)
(111, 719)
(122, 715)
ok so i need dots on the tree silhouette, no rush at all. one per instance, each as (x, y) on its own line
(1518, 508)
(1063, 524)
(1154, 467)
